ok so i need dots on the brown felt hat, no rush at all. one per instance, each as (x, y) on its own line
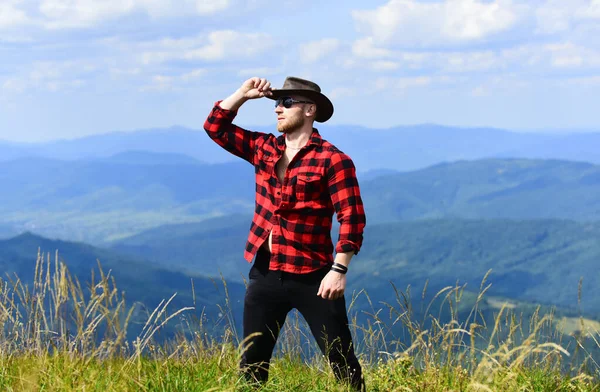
(308, 89)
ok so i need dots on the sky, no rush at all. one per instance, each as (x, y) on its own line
(71, 68)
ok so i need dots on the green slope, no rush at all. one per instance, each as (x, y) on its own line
(105, 200)
(495, 188)
(98, 201)
(140, 280)
(537, 261)
(534, 261)
(213, 247)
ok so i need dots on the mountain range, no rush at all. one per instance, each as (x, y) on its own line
(143, 283)
(102, 200)
(398, 148)
(444, 205)
(539, 261)
(490, 188)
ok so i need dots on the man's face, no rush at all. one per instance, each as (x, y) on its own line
(293, 118)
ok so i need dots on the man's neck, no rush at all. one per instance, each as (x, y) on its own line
(298, 138)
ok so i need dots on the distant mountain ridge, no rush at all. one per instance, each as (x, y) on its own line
(133, 274)
(66, 199)
(140, 157)
(537, 261)
(147, 284)
(399, 148)
(99, 201)
(490, 188)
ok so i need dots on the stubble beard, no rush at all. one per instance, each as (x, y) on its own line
(289, 125)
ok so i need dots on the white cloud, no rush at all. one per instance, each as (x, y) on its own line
(585, 82)
(209, 7)
(539, 58)
(67, 14)
(556, 16)
(261, 72)
(11, 15)
(50, 76)
(366, 48)
(217, 45)
(14, 85)
(569, 55)
(445, 61)
(400, 84)
(312, 52)
(343, 92)
(384, 65)
(193, 75)
(553, 18)
(469, 61)
(117, 73)
(480, 91)
(82, 13)
(409, 22)
(16, 39)
(161, 83)
(593, 11)
(226, 43)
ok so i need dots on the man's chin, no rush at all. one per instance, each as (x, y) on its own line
(289, 126)
(285, 129)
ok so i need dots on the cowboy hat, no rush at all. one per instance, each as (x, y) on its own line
(308, 89)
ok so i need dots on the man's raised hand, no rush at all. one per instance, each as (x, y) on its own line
(251, 89)
(256, 88)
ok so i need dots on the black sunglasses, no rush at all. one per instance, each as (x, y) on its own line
(287, 102)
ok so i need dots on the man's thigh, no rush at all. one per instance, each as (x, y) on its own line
(265, 306)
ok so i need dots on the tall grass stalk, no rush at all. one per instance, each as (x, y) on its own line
(56, 335)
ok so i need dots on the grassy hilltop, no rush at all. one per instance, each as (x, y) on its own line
(45, 347)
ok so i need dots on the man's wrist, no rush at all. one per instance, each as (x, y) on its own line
(340, 268)
(234, 101)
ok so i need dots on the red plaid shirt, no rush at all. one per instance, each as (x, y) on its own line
(299, 211)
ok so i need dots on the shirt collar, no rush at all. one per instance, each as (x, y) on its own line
(315, 139)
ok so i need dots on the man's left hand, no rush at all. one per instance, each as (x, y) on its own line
(332, 286)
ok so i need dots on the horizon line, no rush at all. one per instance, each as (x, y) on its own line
(540, 131)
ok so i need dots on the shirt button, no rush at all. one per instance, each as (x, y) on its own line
(278, 193)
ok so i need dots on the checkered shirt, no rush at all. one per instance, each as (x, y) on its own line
(319, 180)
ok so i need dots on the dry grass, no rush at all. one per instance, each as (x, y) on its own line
(57, 336)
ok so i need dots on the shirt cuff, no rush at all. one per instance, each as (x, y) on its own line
(229, 114)
(347, 246)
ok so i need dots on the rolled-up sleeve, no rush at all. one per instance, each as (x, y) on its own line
(238, 141)
(348, 205)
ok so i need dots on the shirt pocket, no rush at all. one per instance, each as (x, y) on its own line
(309, 186)
(265, 166)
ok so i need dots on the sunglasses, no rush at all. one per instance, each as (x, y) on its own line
(287, 102)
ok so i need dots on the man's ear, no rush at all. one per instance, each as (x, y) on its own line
(312, 109)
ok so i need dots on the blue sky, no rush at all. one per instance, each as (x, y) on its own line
(71, 68)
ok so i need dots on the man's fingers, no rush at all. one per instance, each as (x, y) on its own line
(335, 294)
(261, 85)
(266, 87)
(255, 81)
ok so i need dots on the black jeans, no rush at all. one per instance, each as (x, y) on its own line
(270, 296)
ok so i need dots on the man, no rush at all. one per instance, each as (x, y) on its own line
(301, 179)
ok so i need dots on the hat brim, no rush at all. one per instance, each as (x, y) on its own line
(324, 105)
